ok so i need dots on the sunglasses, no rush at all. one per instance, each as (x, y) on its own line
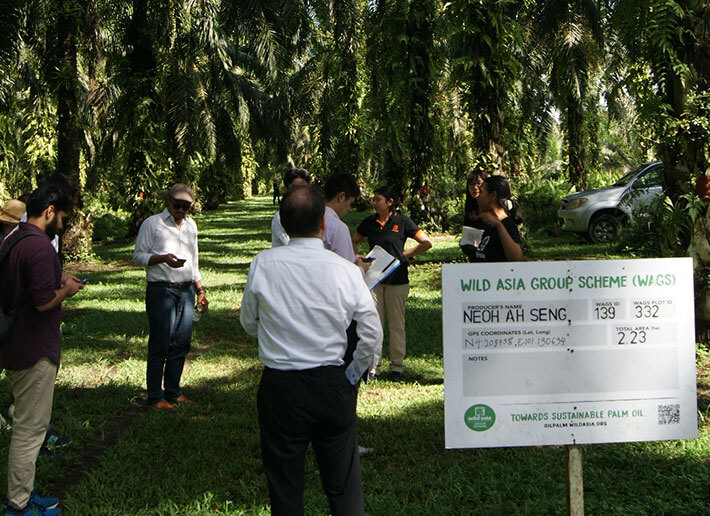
(181, 205)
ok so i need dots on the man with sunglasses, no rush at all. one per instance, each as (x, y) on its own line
(167, 246)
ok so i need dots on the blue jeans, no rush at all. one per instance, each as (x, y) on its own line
(170, 318)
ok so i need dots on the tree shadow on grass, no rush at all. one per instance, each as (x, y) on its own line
(170, 460)
(410, 472)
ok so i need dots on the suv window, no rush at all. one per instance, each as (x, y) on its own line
(649, 179)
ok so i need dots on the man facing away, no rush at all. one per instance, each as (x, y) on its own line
(167, 246)
(277, 192)
(294, 177)
(32, 288)
(307, 394)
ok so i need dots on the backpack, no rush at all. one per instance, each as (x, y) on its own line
(7, 319)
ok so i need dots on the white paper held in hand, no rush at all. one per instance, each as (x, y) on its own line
(470, 236)
(383, 264)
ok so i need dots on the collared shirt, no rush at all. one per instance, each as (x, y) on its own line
(29, 278)
(337, 236)
(279, 236)
(160, 235)
(390, 236)
(299, 300)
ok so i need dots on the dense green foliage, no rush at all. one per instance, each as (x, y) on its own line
(128, 96)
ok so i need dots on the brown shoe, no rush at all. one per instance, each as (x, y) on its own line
(165, 405)
(184, 399)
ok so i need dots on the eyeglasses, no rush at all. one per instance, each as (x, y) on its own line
(181, 205)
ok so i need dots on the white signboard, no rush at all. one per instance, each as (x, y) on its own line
(541, 353)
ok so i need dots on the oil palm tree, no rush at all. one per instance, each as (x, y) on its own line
(568, 35)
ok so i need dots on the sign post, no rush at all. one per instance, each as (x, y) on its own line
(569, 353)
(575, 483)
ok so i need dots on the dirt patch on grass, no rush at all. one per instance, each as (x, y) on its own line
(92, 451)
(96, 267)
(70, 312)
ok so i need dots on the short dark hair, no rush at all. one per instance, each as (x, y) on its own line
(48, 195)
(342, 182)
(295, 173)
(60, 181)
(301, 211)
(388, 192)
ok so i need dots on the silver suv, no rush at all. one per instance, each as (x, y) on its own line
(597, 213)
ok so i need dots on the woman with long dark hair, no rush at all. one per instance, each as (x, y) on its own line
(501, 215)
(390, 230)
(474, 180)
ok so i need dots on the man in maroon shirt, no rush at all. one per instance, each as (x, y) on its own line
(32, 288)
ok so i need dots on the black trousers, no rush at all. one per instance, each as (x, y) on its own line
(314, 406)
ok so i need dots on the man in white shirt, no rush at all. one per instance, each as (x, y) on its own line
(167, 246)
(307, 394)
(295, 176)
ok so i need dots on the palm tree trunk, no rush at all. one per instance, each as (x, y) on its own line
(347, 152)
(575, 140)
(421, 47)
(141, 62)
(77, 240)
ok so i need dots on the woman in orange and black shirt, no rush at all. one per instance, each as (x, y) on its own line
(390, 230)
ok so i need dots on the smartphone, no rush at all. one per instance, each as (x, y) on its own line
(84, 281)
(181, 261)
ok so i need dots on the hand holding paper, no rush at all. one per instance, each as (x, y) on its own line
(471, 236)
(382, 265)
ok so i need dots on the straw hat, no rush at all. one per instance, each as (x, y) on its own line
(12, 211)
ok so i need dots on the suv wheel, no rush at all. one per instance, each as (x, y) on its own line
(603, 228)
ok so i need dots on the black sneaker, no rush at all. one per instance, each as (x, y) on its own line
(396, 376)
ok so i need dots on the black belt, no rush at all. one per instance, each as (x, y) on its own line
(310, 371)
(166, 284)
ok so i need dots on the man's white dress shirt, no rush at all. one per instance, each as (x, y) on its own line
(159, 234)
(300, 299)
(337, 236)
(279, 236)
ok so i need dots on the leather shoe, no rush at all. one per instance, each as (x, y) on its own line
(184, 399)
(165, 405)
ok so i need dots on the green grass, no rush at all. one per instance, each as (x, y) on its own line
(205, 460)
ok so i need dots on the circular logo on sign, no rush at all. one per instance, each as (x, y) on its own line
(479, 418)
